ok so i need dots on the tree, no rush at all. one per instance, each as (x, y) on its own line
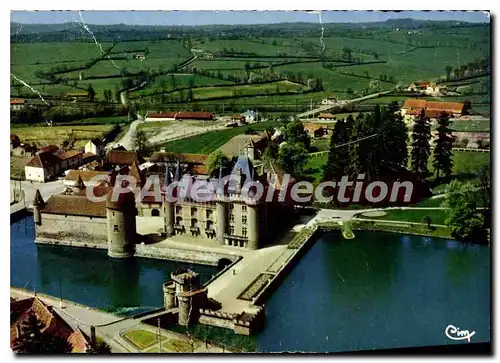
(338, 154)
(443, 161)
(484, 183)
(462, 216)
(32, 340)
(467, 108)
(91, 92)
(293, 158)
(295, 133)
(420, 145)
(448, 70)
(108, 96)
(140, 142)
(99, 347)
(217, 160)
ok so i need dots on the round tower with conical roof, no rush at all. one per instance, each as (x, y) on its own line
(121, 213)
(38, 204)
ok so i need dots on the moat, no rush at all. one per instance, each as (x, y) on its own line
(378, 290)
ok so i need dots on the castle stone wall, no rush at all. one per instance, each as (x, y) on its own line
(72, 229)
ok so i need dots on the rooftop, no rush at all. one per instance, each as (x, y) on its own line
(44, 160)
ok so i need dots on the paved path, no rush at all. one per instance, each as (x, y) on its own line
(29, 188)
(229, 285)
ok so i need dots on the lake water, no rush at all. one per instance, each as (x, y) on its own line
(379, 290)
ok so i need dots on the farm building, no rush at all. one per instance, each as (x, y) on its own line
(71, 159)
(170, 116)
(120, 158)
(251, 116)
(325, 116)
(412, 107)
(192, 163)
(49, 149)
(315, 130)
(81, 94)
(17, 104)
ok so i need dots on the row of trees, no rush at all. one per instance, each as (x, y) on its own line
(376, 144)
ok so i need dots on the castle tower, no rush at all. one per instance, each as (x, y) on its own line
(190, 295)
(169, 206)
(169, 299)
(38, 205)
(120, 216)
(253, 226)
(221, 220)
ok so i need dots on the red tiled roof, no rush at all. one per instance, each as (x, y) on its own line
(414, 103)
(49, 148)
(121, 157)
(312, 127)
(50, 320)
(70, 154)
(44, 160)
(200, 169)
(451, 107)
(161, 115)
(76, 205)
(17, 101)
(194, 115)
(85, 175)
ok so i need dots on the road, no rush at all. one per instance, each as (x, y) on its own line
(127, 139)
(341, 103)
(29, 188)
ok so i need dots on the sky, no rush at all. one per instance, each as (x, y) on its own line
(233, 17)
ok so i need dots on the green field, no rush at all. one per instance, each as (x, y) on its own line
(406, 57)
(210, 141)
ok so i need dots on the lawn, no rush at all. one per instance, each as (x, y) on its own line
(210, 141)
(141, 338)
(45, 135)
(473, 126)
(415, 215)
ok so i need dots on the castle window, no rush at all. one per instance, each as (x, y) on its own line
(193, 212)
(209, 213)
(244, 219)
(244, 231)
(115, 228)
(231, 217)
(178, 220)
(155, 212)
(194, 222)
(244, 208)
(178, 209)
(231, 230)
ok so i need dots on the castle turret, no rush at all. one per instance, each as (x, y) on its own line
(120, 213)
(169, 206)
(38, 204)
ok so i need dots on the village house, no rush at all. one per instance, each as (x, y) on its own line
(251, 116)
(43, 167)
(251, 145)
(139, 55)
(116, 159)
(17, 104)
(329, 101)
(315, 130)
(188, 163)
(240, 119)
(325, 116)
(51, 322)
(94, 146)
(71, 159)
(425, 87)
